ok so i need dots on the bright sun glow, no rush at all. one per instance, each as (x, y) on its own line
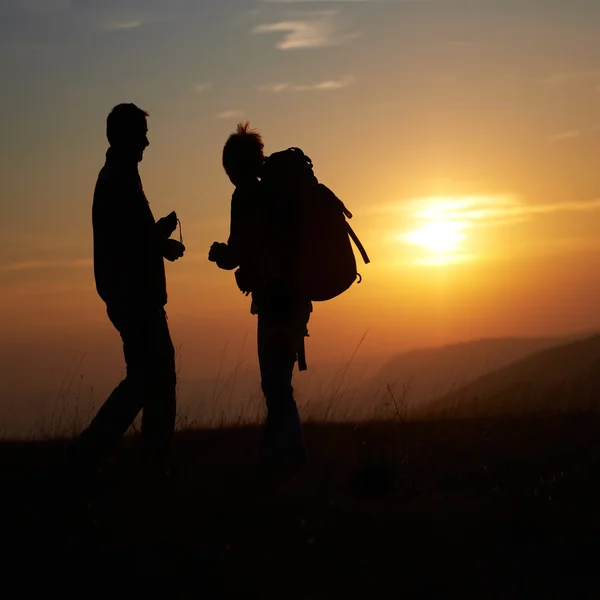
(438, 227)
(440, 230)
(441, 237)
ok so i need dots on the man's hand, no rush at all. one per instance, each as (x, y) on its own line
(172, 250)
(217, 251)
(167, 225)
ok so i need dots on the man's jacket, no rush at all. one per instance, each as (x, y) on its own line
(128, 246)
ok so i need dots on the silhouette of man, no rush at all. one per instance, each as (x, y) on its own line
(129, 247)
(255, 248)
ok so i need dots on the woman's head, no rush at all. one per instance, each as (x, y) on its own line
(243, 155)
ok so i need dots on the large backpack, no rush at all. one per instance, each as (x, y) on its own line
(313, 235)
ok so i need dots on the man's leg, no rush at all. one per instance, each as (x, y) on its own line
(142, 343)
(279, 340)
(108, 426)
(158, 419)
(122, 406)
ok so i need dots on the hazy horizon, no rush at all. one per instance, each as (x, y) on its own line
(462, 134)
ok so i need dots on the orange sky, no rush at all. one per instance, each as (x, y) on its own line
(474, 120)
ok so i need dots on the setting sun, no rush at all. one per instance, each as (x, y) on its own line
(440, 230)
(441, 237)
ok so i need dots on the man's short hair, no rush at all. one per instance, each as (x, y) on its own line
(243, 151)
(123, 120)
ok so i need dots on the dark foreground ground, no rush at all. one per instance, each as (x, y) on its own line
(501, 509)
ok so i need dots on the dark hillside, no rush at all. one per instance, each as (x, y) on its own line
(470, 509)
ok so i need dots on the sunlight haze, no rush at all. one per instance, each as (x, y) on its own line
(463, 135)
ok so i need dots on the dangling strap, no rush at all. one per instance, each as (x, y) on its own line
(360, 247)
(302, 356)
(180, 232)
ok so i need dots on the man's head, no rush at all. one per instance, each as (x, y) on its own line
(127, 129)
(243, 154)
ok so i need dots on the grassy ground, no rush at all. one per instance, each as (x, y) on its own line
(507, 508)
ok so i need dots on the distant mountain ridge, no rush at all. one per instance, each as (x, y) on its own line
(435, 371)
(565, 377)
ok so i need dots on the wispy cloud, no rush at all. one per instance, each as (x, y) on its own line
(202, 87)
(136, 14)
(122, 25)
(275, 88)
(566, 77)
(30, 265)
(440, 227)
(492, 209)
(317, 30)
(320, 86)
(230, 114)
(564, 136)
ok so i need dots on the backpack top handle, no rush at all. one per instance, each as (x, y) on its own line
(301, 153)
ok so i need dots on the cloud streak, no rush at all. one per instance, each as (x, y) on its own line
(568, 77)
(115, 20)
(564, 136)
(321, 86)
(234, 113)
(122, 25)
(202, 87)
(493, 210)
(32, 265)
(441, 226)
(318, 30)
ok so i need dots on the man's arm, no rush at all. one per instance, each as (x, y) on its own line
(163, 229)
(166, 226)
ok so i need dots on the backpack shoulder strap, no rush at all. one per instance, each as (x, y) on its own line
(359, 245)
(326, 190)
(351, 233)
